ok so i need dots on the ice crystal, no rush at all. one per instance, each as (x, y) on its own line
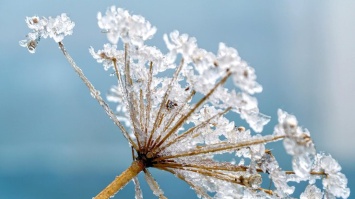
(177, 122)
(335, 182)
(311, 192)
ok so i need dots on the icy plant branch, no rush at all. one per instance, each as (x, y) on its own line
(176, 123)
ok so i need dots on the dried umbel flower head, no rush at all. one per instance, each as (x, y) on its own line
(177, 123)
(56, 28)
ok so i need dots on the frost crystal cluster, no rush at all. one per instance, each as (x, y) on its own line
(174, 104)
(56, 28)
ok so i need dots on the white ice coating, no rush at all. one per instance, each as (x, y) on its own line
(174, 108)
(137, 188)
(118, 23)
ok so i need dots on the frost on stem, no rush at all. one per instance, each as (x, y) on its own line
(176, 123)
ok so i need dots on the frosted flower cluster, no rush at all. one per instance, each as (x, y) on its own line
(118, 23)
(106, 55)
(335, 182)
(56, 28)
(174, 104)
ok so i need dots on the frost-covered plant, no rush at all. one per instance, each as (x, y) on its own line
(176, 123)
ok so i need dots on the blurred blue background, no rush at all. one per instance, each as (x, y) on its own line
(56, 142)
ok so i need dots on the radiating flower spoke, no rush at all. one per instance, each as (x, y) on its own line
(183, 119)
(153, 184)
(199, 190)
(192, 130)
(160, 115)
(137, 188)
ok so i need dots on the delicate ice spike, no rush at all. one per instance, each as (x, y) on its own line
(153, 184)
(96, 94)
(137, 188)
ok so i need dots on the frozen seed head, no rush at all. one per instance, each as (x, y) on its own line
(56, 28)
(59, 27)
(174, 105)
(158, 106)
(107, 56)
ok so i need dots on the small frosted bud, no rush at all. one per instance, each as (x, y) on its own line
(29, 44)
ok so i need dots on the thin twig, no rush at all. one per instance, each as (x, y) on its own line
(159, 116)
(120, 82)
(132, 98)
(137, 188)
(149, 104)
(222, 146)
(221, 166)
(321, 173)
(153, 184)
(96, 94)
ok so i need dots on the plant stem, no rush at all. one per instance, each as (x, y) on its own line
(96, 94)
(222, 146)
(120, 181)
